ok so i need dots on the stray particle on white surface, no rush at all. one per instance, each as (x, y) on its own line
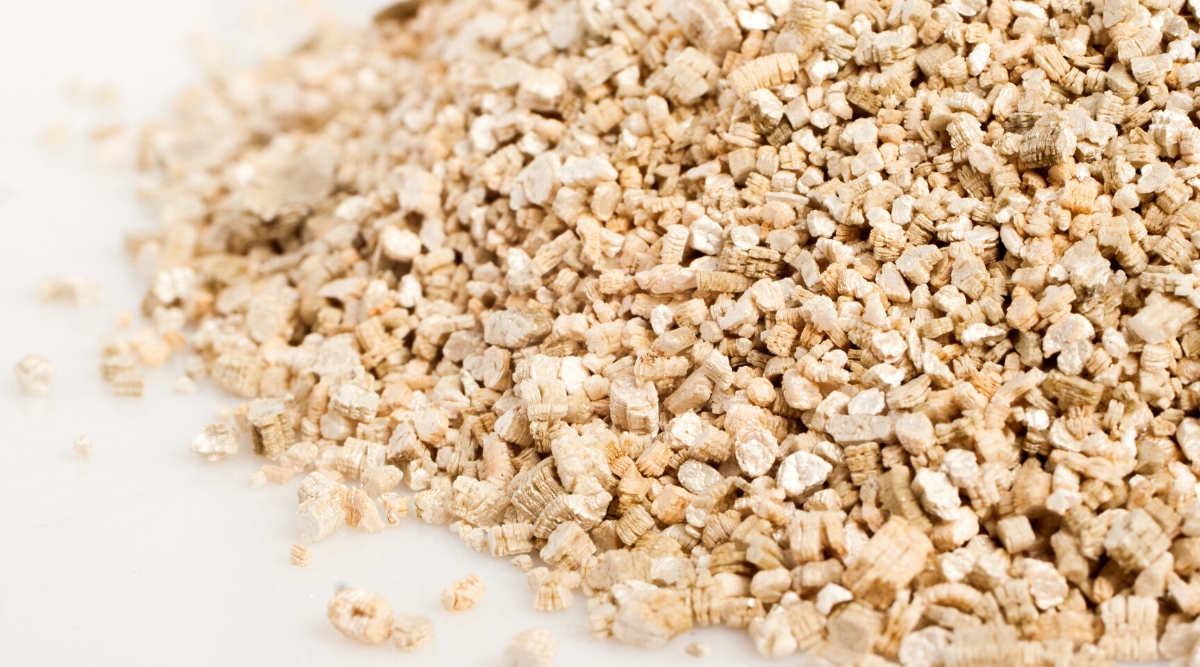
(106, 95)
(82, 448)
(530, 648)
(258, 479)
(299, 555)
(184, 385)
(79, 292)
(34, 374)
(112, 147)
(57, 136)
(361, 615)
(129, 383)
(698, 649)
(463, 594)
(215, 442)
(122, 320)
(412, 631)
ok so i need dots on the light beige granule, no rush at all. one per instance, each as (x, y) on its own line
(361, 615)
(82, 449)
(34, 375)
(299, 555)
(77, 291)
(463, 594)
(412, 632)
(530, 648)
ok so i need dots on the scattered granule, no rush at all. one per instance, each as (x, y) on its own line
(112, 146)
(411, 632)
(122, 320)
(215, 442)
(106, 95)
(698, 649)
(77, 291)
(463, 594)
(870, 329)
(361, 615)
(34, 375)
(184, 385)
(530, 648)
(299, 555)
(57, 136)
(258, 479)
(82, 448)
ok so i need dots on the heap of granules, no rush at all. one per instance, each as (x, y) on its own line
(867, 326)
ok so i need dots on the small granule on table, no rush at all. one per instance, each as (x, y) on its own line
(82, 448)
(463, 594)
(80, 292)
(34, 375)
(299, 555)
(530, 648)
(361, 615)
(411, 632)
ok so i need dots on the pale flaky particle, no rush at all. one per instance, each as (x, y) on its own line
(361, 615)
(184, 385)
(463, 594)
(77, 291)
(530, 648)
(698, 649)
(82, 448)
(215, 442)
(34, 375)
(412, 632)
(299, 555)
(129, 383)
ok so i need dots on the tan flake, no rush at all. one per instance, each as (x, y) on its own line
(34, 374)
(530, 648)
(412, 632)
(463, 594)
(361, 615)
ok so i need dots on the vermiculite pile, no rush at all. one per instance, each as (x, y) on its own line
(869, 327)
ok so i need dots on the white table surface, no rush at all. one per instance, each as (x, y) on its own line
(146, 555)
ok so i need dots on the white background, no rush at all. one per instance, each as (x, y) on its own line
(146, 555)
